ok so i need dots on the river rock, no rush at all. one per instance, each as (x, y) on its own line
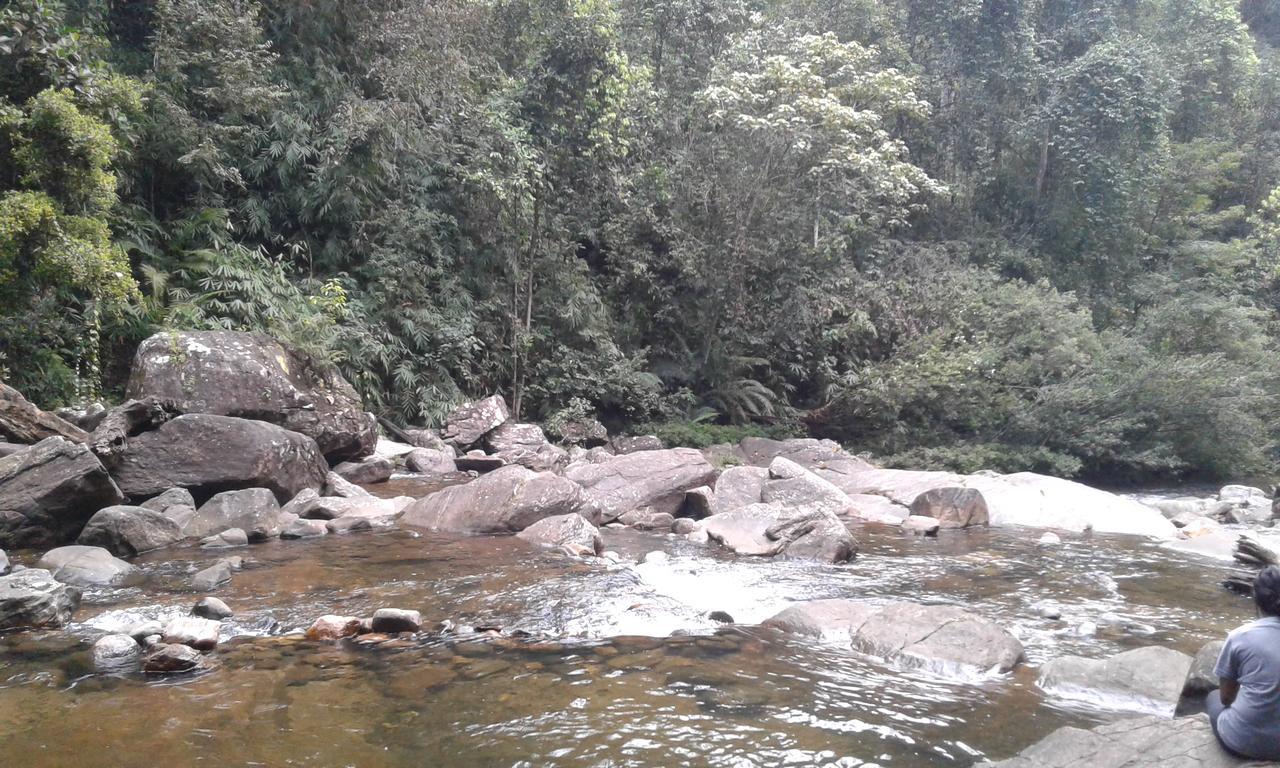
(770, 530)
(115, 653)
(304, 529)
(24, 423)
(327, 628)
(252, 376)
(366, 471)
(939, 637)
(212, 608)
(478, 462)
(1200, 677)
(686, 526)
(212, 577)
(430, 461)
(428, 438)
(49, 491)
(193, 631)
(588, 433)
(210, 454)
(32, 598)
(83, 566)
(390, 620)
(332, 507)
(4, 563)
(1022, 499)
(172, 658)
(299, 504)
(253, 510)
(876, 509)
(505, 501)
(510, 436)
(791, 485)
(952, 507)
(129, 531)
(739, 487)
(621, 446)
(560, 530)
(337, 485)
(825, 458)
(647, 520)
(655, 479)
(232, 537)
(467, 424)
(1144, 679)
(174, 497)
(1148, 742)
(921, 526)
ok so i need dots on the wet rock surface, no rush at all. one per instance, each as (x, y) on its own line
(33, 598)
(83, 566)
(1145, 679)
(504, 501)
(560, 530)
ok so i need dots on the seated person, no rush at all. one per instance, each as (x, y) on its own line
(1245, 710)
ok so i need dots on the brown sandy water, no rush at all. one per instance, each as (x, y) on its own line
(587, 670)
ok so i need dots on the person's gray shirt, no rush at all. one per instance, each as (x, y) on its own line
(1251, 657)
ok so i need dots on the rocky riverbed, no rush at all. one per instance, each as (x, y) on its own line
(198, 579)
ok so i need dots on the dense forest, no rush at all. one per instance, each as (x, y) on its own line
(1002, 234)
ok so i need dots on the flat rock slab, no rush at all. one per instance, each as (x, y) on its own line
(1149, 742)
(941, 638)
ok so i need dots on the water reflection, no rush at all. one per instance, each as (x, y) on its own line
(593, 678)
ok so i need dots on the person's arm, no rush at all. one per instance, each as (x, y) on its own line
(1227, 691)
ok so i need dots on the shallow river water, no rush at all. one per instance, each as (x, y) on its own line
(609, 664)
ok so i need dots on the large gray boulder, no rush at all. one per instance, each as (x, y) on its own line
(253, 510)
(209, 454)
(128, 531)
(367, 471)
(24, 423)
(33, 598)
(654, 479)
(506, 500)
(4, 563)
(253, 376)
(824, 458)
(49, 491)
(739, 487)
(512, 436)
(1148, 742)
(1144, 679)
(942, 638)
(430, 461)
(770, 530)
(82, 566)
(572, 530)
(468, 423)
(791, 485)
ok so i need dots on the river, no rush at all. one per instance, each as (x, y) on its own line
(596, 664)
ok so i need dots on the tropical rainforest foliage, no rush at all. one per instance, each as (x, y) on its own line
(1006, 234)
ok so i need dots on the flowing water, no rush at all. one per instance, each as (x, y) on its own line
(608, 664)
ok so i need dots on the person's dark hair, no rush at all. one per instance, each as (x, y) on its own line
(1266, 591)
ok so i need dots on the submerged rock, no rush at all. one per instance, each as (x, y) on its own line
(654, 479)
(130, 531)
(505, 501)
(232, 537)
(564, 529)
(921, 526)
(209, 454)
(771, 530)
(33, 598)
(908, 634)
(253, 376)
(1144, 679)
(83, 566)
(49, 491)
(1149, 742)
(212, 577)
